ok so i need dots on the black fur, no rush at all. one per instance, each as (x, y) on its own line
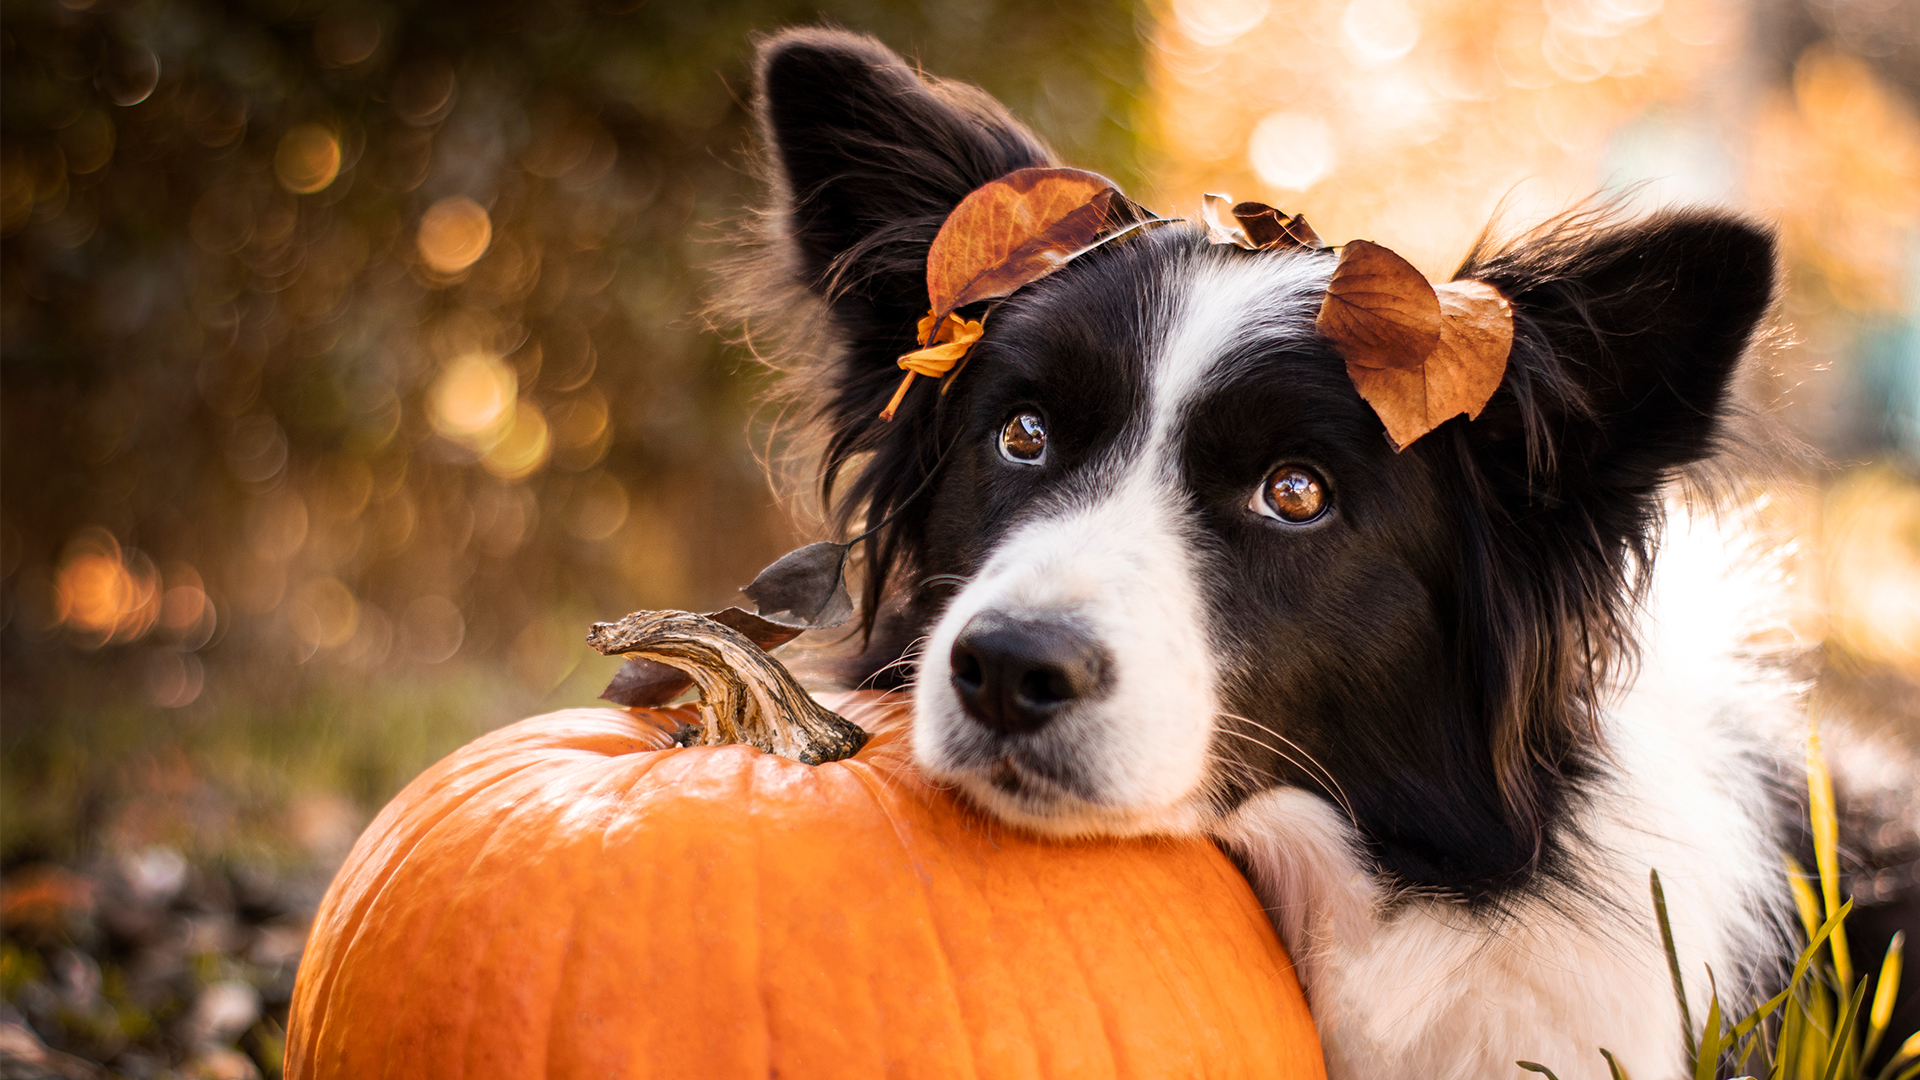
(870, 157)
(1433, 648)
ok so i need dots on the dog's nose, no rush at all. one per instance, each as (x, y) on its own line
(1015, 675)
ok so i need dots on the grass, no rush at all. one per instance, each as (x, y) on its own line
(1820, 1026)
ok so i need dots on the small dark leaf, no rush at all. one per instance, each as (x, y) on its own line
(766, 633)
(805, 588)
(1267, 227)
(642, 684)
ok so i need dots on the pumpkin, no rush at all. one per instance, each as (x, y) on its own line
(575, 895)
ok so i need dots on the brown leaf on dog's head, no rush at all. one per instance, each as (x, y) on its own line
(1379, 311)
(1269, 227)
(1017, 230)
(1216, 212)
(1458, 376)
(1255, 226)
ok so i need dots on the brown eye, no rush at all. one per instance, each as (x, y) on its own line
(1291, 493)
(1024, 439)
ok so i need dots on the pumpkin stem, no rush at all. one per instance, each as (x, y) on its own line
(746, 696)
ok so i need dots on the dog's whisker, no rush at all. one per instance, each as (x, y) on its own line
(1332, 789)
(1325, 775)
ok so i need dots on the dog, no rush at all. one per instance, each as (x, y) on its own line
(1148, 565)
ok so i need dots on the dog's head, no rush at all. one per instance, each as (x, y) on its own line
(1155, 552)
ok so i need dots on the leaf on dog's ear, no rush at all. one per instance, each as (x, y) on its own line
(805, 589)
(1016, 230)
(1379, 311)
(1476, 337)
(1458, 376)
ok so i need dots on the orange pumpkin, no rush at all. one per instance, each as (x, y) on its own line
(565, 898)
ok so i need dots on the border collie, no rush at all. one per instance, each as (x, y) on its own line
(1149, 565)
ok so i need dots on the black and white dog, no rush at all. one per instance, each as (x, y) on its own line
(1153, 568)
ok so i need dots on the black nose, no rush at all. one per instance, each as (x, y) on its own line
(1015, 675)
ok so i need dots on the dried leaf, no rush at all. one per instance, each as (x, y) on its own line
(1016, 230)
(1268, 227)
(1255, 226)
(764, 632)
(642, 684)
(1476, 336)
(945, 342)
(1379, 311)
(1458, 376)
(806, 588)
(1216, 212)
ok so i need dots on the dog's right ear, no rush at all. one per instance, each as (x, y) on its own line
(869, 158)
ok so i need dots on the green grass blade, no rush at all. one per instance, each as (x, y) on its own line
(1708, 1061)
(1811, 1043)
(1752, 1019)
(1908, 1050)
(1826, 837)
(1801, 965)
(1804, 901)
(1617, 1070)
(1673, 963)
(1843, 1033)
(1882, 1012)
(1786, 1056)
(1536, 1067)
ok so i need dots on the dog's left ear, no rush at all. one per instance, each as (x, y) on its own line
(1627, 338)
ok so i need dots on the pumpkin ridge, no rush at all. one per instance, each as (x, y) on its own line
(573, 930)
(1101, 1009)
(883, 795)
(551, 802)
(474, 844)
(437, 925)
(367, 892)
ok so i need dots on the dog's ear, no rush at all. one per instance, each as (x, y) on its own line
(1627, 338)
(869, 157)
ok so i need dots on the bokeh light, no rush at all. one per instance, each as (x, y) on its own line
(308, 159)
(472, 401)
(106, 593)
(454, 233)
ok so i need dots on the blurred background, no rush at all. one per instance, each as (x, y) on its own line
(353, 364)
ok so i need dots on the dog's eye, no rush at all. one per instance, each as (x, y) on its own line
(1024, 439)
(1292, 493)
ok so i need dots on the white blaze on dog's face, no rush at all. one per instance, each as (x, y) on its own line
(1101, 581)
